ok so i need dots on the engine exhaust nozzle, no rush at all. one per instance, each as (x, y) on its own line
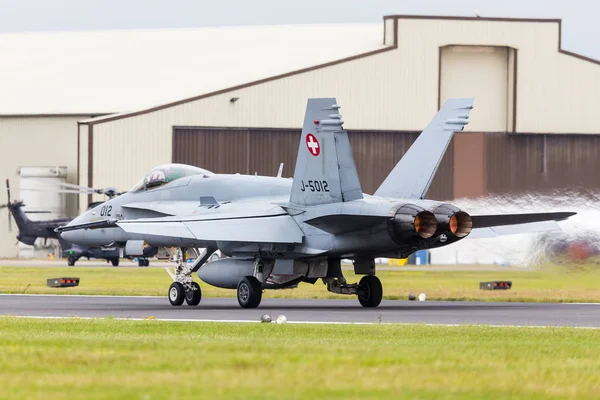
(461, 224)
(425, 224)
(410, 222)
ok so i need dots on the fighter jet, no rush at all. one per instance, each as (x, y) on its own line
(279, 232)
(30, 231)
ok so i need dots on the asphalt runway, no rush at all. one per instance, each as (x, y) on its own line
(312, 311)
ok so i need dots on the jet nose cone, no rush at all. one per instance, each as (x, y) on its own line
(69, 236)
(76, 235)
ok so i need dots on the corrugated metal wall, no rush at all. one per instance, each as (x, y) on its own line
(474, 164)
(250, 151)
(538, 163)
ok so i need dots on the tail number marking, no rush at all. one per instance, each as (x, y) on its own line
(315, 186)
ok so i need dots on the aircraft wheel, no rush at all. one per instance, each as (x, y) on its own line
(146, 263)
(115, 261)
(193, 297)
(249, 292)
(370, 291)
(141, 262)
(71, 261)
(176, 294)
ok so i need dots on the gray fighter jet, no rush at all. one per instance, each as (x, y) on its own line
(279, 232)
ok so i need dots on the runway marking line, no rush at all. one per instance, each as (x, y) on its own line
(247, 321)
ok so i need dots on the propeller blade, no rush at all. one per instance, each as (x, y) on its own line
(8, 190)
(10, 217)
(57, 191)
(3, 206)
(69, 185)
(109, 191)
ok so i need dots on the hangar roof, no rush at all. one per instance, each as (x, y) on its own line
(103, 72)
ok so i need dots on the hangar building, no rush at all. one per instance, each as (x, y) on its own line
(238, 107)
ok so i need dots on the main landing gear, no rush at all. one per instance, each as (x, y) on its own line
(369, 290)
(184, 288)
(249, 289)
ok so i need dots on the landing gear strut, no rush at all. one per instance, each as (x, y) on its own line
(183, 287)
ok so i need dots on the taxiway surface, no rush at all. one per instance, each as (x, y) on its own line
(312, 311)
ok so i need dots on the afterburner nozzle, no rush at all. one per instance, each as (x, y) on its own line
(410, 222)
(461, 224)
(425, 224)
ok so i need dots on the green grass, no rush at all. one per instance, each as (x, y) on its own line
(549, 284)
(104, 358)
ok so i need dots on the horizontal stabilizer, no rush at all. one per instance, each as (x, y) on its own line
(533, 227)
(486, 221)
(413, 174)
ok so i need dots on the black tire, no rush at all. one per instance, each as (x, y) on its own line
(193, 297)
(115, 261)
(370, 291)
(142, 262)
(146, 263)
(249, 292)
(71, 261)
(176, 294)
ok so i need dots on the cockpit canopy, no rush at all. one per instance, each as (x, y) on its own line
(167, 173)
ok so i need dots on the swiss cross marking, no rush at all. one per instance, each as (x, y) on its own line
(313, 145)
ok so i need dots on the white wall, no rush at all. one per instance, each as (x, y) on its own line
(34, 141)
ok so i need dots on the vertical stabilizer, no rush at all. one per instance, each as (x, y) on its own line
(325, 170)
(413, 174)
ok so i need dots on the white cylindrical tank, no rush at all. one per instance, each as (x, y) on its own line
(39, 191)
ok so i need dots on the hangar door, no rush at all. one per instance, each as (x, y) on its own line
(261, 150)
(486, 73)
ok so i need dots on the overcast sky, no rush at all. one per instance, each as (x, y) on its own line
(581, 30)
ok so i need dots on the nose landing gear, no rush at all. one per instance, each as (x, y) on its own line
(184, 288)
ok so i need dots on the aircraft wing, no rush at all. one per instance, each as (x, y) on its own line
(268, 226)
